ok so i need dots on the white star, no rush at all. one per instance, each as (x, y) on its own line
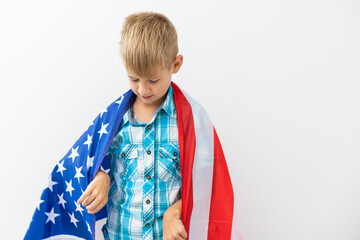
(50, 184)
(74, 153)
(69, 188)
(103, 129)
(73, 219)
(107, 171)
(119, 101)
(40, 201)
(89, 162)
(103, 111)
(61, 200)
(79, 208)
(90, 124)
(51, 216)
(89, 229)
(78, 174)
(88, 141)
(61, 167)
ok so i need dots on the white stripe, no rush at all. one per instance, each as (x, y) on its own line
(202, 171)
(64, 237)
(236, 231)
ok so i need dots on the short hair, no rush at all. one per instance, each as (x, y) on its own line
(148, 43)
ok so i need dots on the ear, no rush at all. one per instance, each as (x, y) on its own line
(177, 63)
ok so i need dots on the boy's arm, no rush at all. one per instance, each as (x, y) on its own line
(96, 194)
(175, 209)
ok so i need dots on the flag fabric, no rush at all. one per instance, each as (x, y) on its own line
(208, 200)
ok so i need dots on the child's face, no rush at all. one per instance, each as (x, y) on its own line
(155, 89)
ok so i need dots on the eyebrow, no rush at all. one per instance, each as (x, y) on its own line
(149, 79)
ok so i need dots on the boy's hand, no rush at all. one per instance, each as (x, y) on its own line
(96, 193)
(173, 228)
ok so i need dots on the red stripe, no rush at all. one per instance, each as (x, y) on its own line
(187, 143)
(222, 197)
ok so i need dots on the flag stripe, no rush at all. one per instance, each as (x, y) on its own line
(236, 231)
(187, 151)
(64, 237)
(220, 222)
(202, 183)
(210, 203)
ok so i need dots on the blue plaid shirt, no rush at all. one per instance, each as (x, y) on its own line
(145, 177)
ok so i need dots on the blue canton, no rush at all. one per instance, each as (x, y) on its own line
(145, 176)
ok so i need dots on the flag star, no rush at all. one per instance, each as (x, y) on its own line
(92, 123)
(73, 219)
(78, 174)
(69, 188)
(61, 167)
(103, 111)
(107, 171)
(50, 183)
(89, 162)
(74, 153)
(119, 101)
(79, 208)
(61, 200)
(103, 129)
(38, 206)
(51, 216)
(89, 229)
(88, 141)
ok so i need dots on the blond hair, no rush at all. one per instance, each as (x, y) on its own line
(148, 43)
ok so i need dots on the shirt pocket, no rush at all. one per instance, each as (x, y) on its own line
(169, 168)
(127, 164)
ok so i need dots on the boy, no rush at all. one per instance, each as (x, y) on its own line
(144, 201)
(168, 178)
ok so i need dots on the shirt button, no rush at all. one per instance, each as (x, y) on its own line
(147, 224)
(148, 201)
(175, 153)
(123, 154)
(148, 127)
(148, 177)
(148, 152)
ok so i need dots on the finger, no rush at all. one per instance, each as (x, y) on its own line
(88, 201)
(183, 232)
(85, 195)
(94, 204)
(178, 237)
(98, 208)
(183, 235)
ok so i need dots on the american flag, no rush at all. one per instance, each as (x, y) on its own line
(208, 200)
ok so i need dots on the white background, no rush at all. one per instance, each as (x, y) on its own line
(279, 79)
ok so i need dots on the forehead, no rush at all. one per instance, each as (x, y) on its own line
(154, 75)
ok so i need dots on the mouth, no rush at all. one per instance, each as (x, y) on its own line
(146, 97)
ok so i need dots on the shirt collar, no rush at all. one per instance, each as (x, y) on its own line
(168, 105)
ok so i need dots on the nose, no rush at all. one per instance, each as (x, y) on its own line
(143, 90)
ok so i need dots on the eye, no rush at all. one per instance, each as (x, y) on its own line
(134, 80)
(154, 81)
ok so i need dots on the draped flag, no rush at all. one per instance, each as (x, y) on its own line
(208, 200)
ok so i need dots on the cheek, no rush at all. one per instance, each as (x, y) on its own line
(133, 86)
